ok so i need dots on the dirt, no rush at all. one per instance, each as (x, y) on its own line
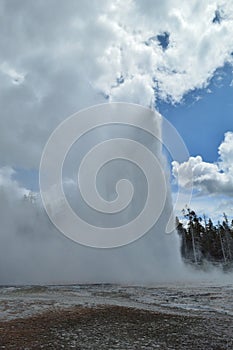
(116, 327)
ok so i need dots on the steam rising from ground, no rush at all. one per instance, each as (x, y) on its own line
(41, 254)
(32, 252)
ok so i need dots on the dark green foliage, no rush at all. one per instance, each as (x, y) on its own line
(201, 240)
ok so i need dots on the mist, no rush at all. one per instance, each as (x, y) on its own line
(33, 251)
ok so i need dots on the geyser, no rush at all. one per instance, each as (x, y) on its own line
(33, 251)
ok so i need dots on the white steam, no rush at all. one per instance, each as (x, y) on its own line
(33, 251)
(57, 57)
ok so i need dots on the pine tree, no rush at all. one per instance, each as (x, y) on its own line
(202, 240)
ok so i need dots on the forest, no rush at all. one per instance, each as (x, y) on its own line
(203, 241)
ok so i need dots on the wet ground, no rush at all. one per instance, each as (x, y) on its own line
(175, 316)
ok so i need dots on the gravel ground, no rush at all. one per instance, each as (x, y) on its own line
(116, 327)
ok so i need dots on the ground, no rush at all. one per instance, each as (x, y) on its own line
(116, 317)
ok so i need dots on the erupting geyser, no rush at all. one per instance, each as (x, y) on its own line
(121, 201)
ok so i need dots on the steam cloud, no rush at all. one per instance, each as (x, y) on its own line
(61, 57)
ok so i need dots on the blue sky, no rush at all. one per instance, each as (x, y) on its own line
(202, 119)
(204, 115)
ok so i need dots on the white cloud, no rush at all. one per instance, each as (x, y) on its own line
(8, 184)
(208, 178)
(58, 57)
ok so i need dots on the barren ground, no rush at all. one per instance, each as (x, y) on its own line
(115, 327)
(116, 317)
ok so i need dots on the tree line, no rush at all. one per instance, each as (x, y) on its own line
(202, 240)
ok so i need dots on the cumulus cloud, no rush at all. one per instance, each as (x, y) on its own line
(208, 178)
(57, 57)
